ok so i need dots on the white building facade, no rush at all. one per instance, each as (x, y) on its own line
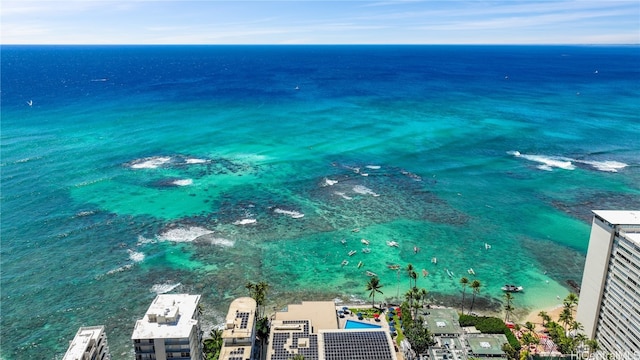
(170, 329)
(90, 343)
(609, 306)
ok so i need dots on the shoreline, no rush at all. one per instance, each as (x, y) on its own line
(553, 312)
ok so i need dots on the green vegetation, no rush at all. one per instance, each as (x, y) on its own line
(508, 308)
(475, 286)
(490, 325)
(367, 313)
(464, 282)
(414, 331)
(373, 285)
(213, 345)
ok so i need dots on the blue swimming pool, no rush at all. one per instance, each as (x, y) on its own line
(352, 324)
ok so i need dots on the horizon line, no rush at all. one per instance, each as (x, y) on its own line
(324, 44)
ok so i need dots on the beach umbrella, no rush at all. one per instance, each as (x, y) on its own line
(376, 315)
(392, 322)
(392, 328)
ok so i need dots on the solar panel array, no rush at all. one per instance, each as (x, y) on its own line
(356, 345)
(236, 354)
(244, 318)
(310, 352)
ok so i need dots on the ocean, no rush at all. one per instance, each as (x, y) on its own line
(129, 171)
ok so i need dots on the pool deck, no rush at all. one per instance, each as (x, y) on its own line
(351, 316)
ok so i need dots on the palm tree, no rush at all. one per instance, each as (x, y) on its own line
(261, 296)
(475, 285)
(565, 317)
(545, 317)
(258, 291)
(414, 276)
(464, 282)
(529, 326)
(410, 270)
(508, 308)
(593, 346)
(423, 295)
(409, 296)
(575, 327)
(571, 301)
(213, 344)
(374, 287)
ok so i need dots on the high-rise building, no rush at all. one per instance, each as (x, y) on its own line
(609, 306)
(239, 333)
(90, 343)
(170, 329)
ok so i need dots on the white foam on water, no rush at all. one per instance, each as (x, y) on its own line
(373, 167)
(21, 161)
(245, 222)
(149, 163)
(293, 214)
(120, 269)
(183, 234)
(547, 162)
(343, 195)
(90, 182)
(196, 161)
(143, 240)
(329, 182)
(164, 288)
(135, 256)
(85, 213)
(182, 182)
(607, 166)
(222, 242)
(361, 189)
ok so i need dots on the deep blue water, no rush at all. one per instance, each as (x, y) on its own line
(129, 171)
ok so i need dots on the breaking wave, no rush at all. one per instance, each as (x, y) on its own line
(329, 182)
(196, 161)
(182, 182)
(607, 166)
(343, 195)
(183, 234)
(549, 162)
(153, 162)
(361, 189)
(292, 213)
(135, 256)
(245, 222)
(164, 288)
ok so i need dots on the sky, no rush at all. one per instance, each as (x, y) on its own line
(320, 22)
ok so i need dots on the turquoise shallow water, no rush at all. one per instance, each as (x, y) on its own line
(141, 170)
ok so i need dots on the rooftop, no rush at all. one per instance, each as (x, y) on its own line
(442, 321)
(322, 314)
(168, 316)
(312, 329)
(240, 318)
(238, 332)
(84, 340)
(619, 217)
(487, 344)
